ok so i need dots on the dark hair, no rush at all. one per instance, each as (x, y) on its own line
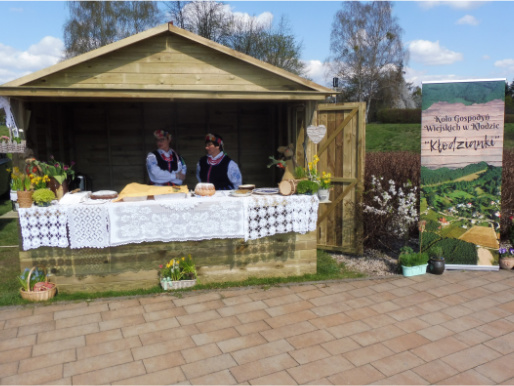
(218, 141)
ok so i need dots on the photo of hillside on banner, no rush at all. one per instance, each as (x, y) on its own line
(461, 169)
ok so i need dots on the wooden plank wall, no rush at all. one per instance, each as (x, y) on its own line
(136, 266)
(168, 62)
(109, 141)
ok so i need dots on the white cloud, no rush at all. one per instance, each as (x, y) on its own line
(431, 53)
(15, 64)
(505, 64)
(452, 4)
(316, 71)
(468, 19)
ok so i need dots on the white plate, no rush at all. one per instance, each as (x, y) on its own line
(234, 194)
(95, 202)
(266, 191)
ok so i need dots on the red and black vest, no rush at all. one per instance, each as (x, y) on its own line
(216, 174)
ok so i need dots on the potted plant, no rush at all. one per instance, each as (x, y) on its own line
(178, 273)
(307, 187)
(57, 171)
(506, 258)
(22, 184)
(324, 182)
(413, 263)
(43, 197)
(436, 262)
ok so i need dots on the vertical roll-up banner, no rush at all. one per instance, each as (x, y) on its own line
(461, 170)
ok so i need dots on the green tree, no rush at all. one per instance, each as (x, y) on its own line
(366, 47)
(93, 24)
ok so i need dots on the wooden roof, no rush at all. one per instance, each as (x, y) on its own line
(165, 62)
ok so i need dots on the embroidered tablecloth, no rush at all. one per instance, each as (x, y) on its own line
(105, 224)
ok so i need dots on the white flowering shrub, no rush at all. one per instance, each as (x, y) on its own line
(390, 212)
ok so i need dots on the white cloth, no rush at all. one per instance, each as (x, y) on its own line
(88, 226)
(269, 215)
(95, 224)
(179, 220)
(43, 227)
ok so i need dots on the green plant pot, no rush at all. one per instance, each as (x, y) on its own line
(415, 270)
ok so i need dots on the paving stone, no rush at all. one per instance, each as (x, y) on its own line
(241, 308)
(470, 377)
(122, 322)
(310, 339)
(110, 374)
(205, 306)
(223, 377)
(208, 366)
(439, 349)
(287, 331)
(319, 369)
(340, 346)
(28, 320)
(194, 354)
(151, 316)
(122, 312)
(97, 362)
(408, 377)
(397, 363)
(250, 328)
(471, 357)
(288, 319)
(367, 354)
(362, 375)
(32, 329)
(309, 354)
(262, 351)
(45, 361)
(15, 354)
(14, 343)
(169, 334)
(58, 345)
(280, 378)
(164, 377)
(165, 361)
(36, 377)
(435, 371)
(218, 324)
(262, 367)
(69, 332)
(241, 342)
(406, 342)
(79, 311)
(215, 336)
(107, 347)
(498, 370)
(166, 347)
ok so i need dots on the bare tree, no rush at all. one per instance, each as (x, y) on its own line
(366, 47)
(93, 24)
(177, 13)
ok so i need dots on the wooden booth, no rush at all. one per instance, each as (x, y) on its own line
(100, 109)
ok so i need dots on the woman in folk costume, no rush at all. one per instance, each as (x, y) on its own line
(164, 165)
(217, 167)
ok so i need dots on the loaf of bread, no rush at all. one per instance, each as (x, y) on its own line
(204, 189)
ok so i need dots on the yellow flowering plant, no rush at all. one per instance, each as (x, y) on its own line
(39, 182)
(324, 180)
(176, 269)
(20, 181)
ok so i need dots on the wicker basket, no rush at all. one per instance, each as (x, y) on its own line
(12, 147)
(25, 198)
(47, 290)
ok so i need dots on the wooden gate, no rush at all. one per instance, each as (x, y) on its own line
(342, 153)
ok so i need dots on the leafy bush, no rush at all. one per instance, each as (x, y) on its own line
(458, 251)
(435, 252)
(413, 259)
(43, 196)
(399, 116)
(307, 186)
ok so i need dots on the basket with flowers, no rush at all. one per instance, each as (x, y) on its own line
(178, 273)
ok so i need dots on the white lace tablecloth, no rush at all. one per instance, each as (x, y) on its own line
(43, 227)
(105, 224)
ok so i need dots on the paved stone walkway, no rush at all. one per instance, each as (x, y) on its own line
(457, 328)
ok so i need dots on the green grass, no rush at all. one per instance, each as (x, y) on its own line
(327, 269)
(407, 137)
(393, 137)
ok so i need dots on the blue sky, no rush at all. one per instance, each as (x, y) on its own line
(450, 40)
